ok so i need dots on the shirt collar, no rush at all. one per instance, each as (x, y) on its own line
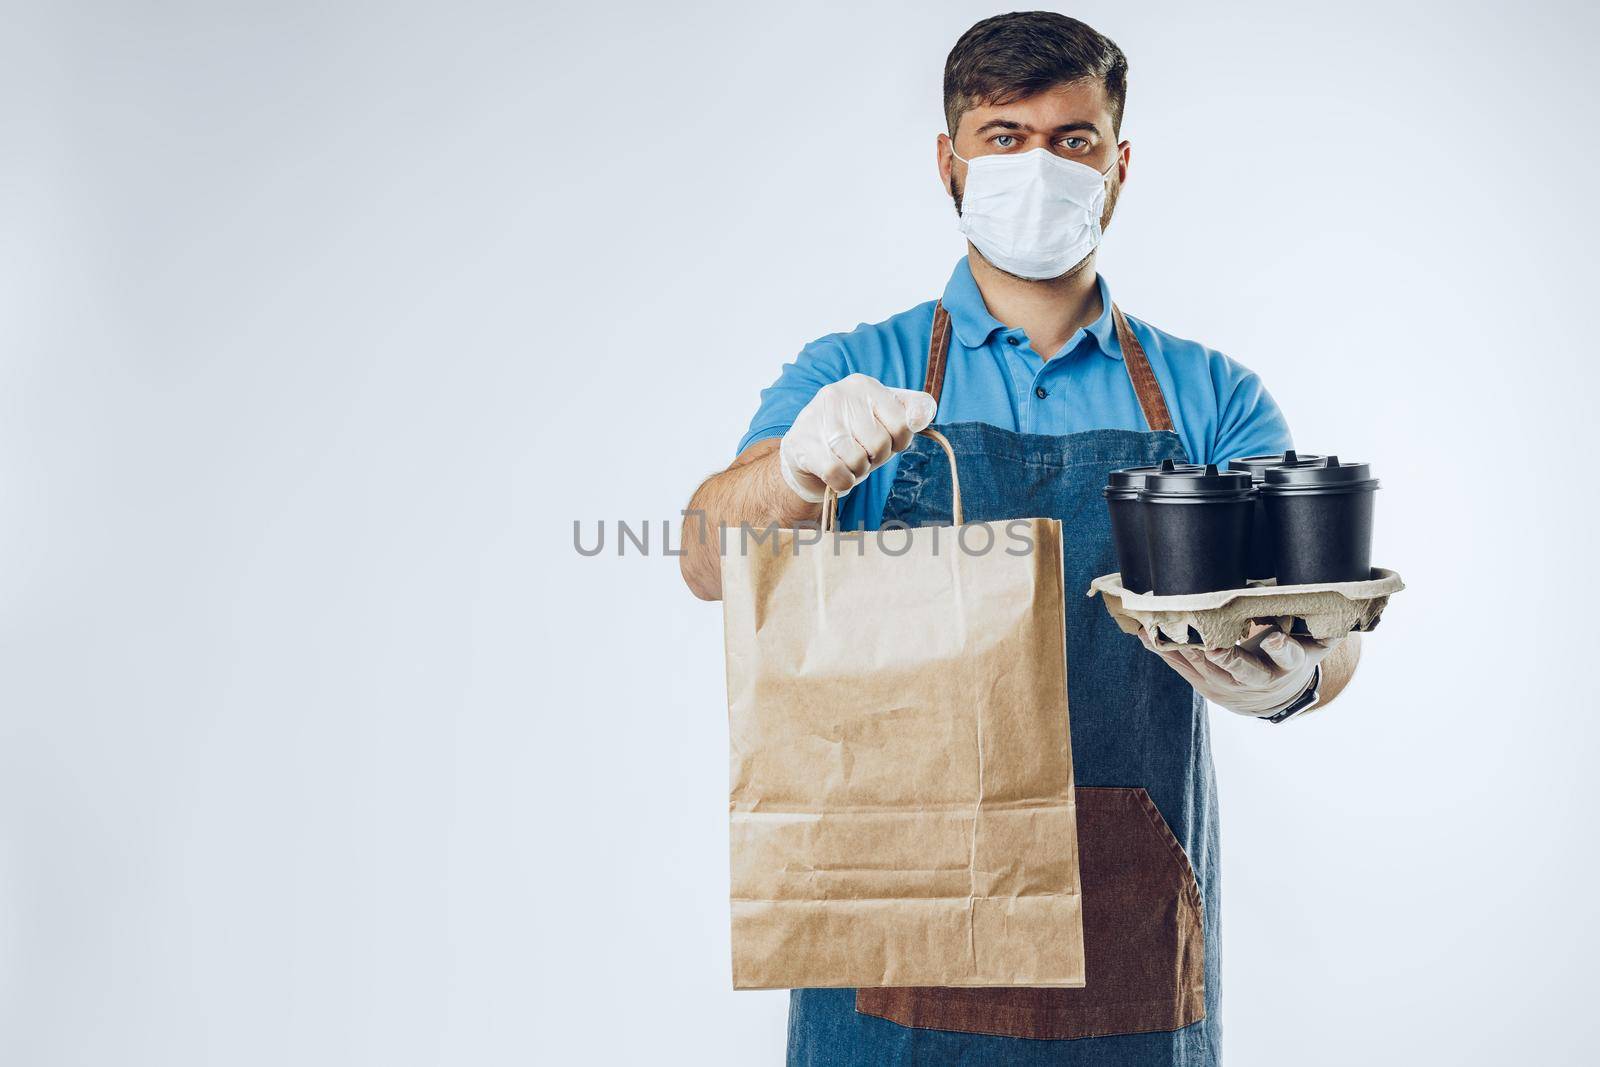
(974, 325)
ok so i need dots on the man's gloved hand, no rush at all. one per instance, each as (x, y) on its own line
(1259, 676)
(850, 428)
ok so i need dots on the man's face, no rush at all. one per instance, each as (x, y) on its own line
(1072, 120)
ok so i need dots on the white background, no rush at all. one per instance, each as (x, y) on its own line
(321, 324)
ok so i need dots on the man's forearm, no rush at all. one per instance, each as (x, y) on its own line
(1338, 668)
(751, 490)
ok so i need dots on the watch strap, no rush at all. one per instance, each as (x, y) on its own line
(1304, 702)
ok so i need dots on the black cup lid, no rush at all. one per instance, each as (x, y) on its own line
(1133, 477)
(1259, 465)
(1329, 476)
(1204, 481)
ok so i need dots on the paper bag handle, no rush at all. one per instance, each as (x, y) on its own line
(830, 499)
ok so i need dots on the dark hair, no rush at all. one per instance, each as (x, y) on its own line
(1008, 57)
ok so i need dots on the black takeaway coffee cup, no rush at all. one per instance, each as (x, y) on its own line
(1321, 521)
(1259, 563)
(1197, 529)
(1127, 521)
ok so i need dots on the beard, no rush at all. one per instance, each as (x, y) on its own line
(1112, 192)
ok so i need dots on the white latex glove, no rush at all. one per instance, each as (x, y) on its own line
(1258, 676)
(848, 430)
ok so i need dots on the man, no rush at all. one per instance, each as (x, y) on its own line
(1042, 386)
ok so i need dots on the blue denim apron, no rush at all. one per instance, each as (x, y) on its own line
(1147, 810)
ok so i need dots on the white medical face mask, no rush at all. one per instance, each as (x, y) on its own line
(1032, 214)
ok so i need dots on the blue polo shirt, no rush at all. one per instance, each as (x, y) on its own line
(1219, 409)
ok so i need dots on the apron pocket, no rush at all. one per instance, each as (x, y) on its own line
(1144, 945)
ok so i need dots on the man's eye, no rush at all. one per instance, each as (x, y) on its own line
(1005, 140)
(1075, 143)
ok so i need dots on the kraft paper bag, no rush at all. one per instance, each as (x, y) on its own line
(902, 806)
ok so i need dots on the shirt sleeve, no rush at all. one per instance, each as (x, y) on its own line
(820, 363)
(1249, 422)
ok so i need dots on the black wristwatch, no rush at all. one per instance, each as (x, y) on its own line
(1305, 701)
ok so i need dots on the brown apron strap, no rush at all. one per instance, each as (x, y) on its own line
(938, 349)
(1145, 386)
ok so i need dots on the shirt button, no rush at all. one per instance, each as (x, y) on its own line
(1012, 341)
(1041, 392)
